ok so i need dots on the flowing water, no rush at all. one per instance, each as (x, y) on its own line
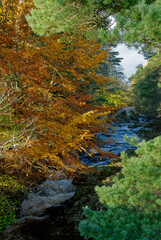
(54, 193)
(116, 142)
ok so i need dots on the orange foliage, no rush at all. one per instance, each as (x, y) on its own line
(54, 80)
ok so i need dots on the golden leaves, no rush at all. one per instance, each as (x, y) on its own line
(54, 80)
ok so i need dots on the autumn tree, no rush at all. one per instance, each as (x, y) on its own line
(11, 39)
(53, 78)
(135, 22)
(9, 134)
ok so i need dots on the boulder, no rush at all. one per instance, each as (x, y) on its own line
(49, 193)
(127, 114)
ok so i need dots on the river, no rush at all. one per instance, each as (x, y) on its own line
(53, 224)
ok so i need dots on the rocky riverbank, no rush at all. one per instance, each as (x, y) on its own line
(60, 221)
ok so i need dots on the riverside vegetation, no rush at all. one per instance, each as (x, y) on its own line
(61, 84)
(133, 201)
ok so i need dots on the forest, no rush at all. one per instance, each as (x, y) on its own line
(80, 144)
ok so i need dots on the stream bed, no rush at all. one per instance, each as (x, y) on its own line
(60, 222)
(116, 142)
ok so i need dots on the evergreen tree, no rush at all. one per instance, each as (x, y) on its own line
(114, 92)
(140, 24)
(138, 21)
(113, 67)
(133, 201)
(57, 16)
(146, 93)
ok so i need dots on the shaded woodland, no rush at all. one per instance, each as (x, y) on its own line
(62, 84)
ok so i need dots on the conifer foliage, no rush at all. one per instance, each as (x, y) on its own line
(52, 102)
(138, 21)
(145, 87)
(133, 201)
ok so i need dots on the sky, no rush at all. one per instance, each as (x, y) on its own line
(131, 59)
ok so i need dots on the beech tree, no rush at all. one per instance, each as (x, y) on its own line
(53, 78)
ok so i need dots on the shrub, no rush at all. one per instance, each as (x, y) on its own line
(8, 202)
(133, 203)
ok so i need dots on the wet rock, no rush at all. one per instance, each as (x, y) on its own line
(61, 222)
(51, 200)
(127, 114)
(134, 125)
(49, 193)
(96, 159)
